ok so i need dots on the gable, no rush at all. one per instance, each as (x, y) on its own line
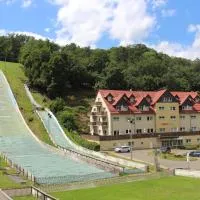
(167, 97)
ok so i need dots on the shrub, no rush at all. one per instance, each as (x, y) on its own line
(83, 142)
(68, 120)
(57, 105)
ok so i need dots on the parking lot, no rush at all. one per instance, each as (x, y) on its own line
(148, 157)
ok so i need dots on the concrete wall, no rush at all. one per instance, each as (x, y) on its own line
(4, 196)
(141, 143)
(187, 173)
(18, 192)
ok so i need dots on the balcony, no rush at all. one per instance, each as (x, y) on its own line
(92, 123)
(98, 103)
(102, 123)
(99, 113)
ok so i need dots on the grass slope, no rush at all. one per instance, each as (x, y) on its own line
(176, 188)
(5, 181)
(16, 78)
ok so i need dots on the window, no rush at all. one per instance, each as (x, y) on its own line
(193, 116)
(128, 130)
(173, 129)
(162, 129)
(129, 143)
(182, 128)
(150, 130)
(105, 132)
(193, 128)
(188, 140)
(182, 117)
(138, 118)
(161, 117)
(173, 117)
(198, 139)
(172, 108)
(142, 143)
(139, 131)
(167, 99)
(188, 107)
(161, 108)
(109, 98)
(132, 99)
(144, 108)
(116, 118)
(116, 132)
(149, 118)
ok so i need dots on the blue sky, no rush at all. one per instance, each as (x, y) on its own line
(170, 26)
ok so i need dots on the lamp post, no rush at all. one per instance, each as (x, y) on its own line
(131, 121)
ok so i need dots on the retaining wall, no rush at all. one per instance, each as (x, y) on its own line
(187, 172)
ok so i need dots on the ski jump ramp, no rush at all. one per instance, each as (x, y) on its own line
(46, 164)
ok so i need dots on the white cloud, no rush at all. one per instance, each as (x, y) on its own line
(131, 22)
(158, 3)
(47, 30)
(179, 50)
(26, 3)
(168, 12)
(35, 35)
(8, 2)
(85, 22)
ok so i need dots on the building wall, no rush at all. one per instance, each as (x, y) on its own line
(146, 143)
(188, 121)
(167, 124)
(120, 123)
(142, 143)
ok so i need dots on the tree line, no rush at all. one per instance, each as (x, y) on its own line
(55, 70)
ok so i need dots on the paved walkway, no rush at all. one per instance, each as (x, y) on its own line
(145, 156)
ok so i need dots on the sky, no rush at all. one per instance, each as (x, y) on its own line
(169, 26)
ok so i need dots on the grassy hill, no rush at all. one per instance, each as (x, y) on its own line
(16, 78)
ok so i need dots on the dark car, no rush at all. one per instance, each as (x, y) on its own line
(194, 154)
(165, 150)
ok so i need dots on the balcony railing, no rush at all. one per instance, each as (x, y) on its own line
(102, 123)
(99, 113)
(98, 103)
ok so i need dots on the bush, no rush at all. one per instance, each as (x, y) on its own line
(68, 120)
(57, 105)
(83, 142)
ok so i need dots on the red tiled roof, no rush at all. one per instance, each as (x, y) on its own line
(140, 95)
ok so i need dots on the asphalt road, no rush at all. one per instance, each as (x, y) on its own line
(146, 156)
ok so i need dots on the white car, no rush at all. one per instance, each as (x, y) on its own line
(122, 149)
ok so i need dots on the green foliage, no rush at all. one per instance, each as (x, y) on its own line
(68, 120)
(75, 137)
(57, 105)
(56, 70)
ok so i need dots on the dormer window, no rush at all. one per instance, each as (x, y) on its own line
(122, 108)
(144, 108)
(167, 99)
(197, 99)
(187, 107)
(132, 99)
(109, 98)
(148, 98)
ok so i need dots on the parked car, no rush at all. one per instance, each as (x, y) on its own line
(165, 149)
(122, 149)
(194, 154)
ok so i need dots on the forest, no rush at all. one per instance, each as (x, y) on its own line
(54, 69)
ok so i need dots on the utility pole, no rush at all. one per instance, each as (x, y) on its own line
(131, 121)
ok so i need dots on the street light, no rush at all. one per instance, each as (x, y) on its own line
(131, 121)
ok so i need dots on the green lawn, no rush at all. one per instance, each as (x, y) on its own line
(24, 198)
(170, 188)
(15, 75)
(5, 181)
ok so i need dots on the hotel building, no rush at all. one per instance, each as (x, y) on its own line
(150, 118)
